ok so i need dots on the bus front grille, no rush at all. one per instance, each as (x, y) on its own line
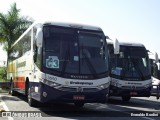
(68, 89)
(90, 89)
(78, 89)
(133, 87)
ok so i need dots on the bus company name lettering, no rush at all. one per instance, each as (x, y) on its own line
(130, 83)
(81, 83)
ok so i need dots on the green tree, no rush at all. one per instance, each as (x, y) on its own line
(12, 25)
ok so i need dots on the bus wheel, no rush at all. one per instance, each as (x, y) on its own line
(79, 104)
(12, 92)
(26, 87)
(126, 98)
(31, 101)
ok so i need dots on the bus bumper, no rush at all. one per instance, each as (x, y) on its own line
(50, 94)
(116, 91)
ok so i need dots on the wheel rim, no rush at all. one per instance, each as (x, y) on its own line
(11, 88)
(29, 95)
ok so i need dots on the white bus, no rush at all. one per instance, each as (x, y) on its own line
(155, 71)
(129, 70)
(60, 62)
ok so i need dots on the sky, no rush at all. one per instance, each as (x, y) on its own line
(126, 20)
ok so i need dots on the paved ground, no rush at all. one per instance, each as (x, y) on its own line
(115, 108)
(2, 109)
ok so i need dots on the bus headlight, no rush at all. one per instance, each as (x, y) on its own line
(50, 83)
(54, 84)
(103, 86)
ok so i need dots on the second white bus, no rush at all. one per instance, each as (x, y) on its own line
(155, 71)
(129, 70)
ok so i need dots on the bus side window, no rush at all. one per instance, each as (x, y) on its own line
(37, 56)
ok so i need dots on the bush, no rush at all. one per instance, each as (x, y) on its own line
(3, 74)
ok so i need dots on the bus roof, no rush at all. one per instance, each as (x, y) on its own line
(63, 24)
(73, 25)
(128, 43)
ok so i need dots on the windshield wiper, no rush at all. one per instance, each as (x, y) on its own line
(124, 66)
(90, 66)
(67, 54)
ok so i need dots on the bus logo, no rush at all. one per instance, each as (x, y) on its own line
(133, 87)
(79, 89)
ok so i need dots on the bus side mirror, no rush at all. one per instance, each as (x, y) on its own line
(156, 58)
(39, 37)
(116, 46)
(106, 37)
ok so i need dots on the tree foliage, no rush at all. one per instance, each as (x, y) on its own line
(12, 25)
(3, 74)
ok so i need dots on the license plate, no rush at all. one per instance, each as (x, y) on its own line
(78, 97)
(133, 93)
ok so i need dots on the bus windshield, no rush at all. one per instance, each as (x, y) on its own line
(71, 51)
(132, 62)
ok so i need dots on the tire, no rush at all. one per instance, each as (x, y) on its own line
(12, 92)
(126, 98)
(31, 101)
(79, 104)
(26, 88)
